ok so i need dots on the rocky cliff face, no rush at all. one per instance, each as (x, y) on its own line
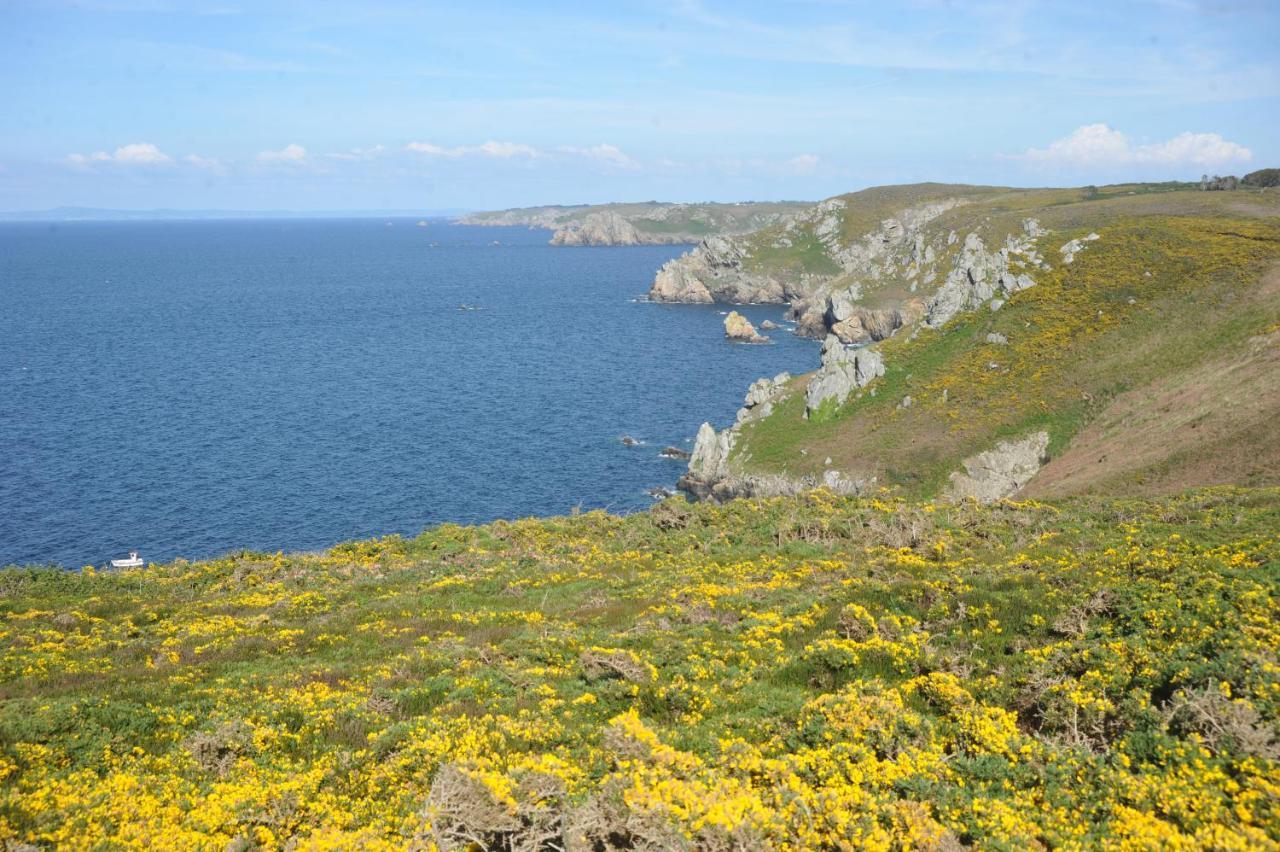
(714, 272)
(844, 369)
(739, 270)
(714, 475)
(647, 223)
(598, 229)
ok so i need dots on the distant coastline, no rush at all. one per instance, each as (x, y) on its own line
(104, 214)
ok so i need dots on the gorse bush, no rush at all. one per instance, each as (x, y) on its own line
(801, 673)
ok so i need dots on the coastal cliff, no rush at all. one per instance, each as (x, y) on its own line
(645, 223)
(973, 336)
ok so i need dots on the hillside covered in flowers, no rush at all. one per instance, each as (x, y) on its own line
(815, 672)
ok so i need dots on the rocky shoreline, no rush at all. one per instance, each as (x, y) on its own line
(943, 273)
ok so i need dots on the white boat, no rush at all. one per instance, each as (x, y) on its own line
(134, 561)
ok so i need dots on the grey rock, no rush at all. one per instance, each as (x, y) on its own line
(844, 369)
(980, 275)
(1000, 472)
(998, 339)
(711, 452)
(605, 228)
(1070, 249)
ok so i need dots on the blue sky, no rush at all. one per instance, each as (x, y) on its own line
(379, 105)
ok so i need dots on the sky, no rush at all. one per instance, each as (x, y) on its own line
(313, 105)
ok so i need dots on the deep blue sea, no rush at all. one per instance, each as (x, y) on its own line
(193, 388)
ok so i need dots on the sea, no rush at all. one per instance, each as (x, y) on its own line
(194, 388)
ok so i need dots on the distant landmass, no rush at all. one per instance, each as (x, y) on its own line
(642, 223)
(101, 214)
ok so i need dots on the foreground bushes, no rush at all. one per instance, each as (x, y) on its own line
(803, 673)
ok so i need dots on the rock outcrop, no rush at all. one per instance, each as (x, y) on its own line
(739, 328)
(714, 272)
(713, 476)
(597, 229)
(1000, 472)
(761, 396)
(979, 275)
(844, 369)
(710, 459)
(855, 324)
(1070, 249)
(719, 269)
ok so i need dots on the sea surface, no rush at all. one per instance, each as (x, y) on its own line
(195, 388)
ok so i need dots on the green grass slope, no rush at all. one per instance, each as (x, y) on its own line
(1178, 281)
(801, 673)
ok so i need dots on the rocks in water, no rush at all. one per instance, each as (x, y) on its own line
(628, 441)
(1070, 249)
(844, 369)
(604, 228)
(769, 325)
(1000, 472)
(739, 328)
(997, 339)
(661, 492)
(674, 453)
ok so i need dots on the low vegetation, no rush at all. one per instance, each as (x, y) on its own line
(1178, 279)
(801, 673)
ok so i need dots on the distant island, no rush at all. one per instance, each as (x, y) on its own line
(642, 223)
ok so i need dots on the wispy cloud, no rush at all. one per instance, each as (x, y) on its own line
(1102, 145)
(804, 164)
(135, 154)
(373, 152)
(498, 150)
(292, 154)
(605, 154)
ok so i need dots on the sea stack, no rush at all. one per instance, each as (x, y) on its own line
(739, 328)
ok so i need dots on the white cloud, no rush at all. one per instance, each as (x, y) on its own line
(292, 154)
(804, 164)
(135, 153)
(433, 150)
(1101, 145)
(507, 150)
(143, 153)
(358, 154)
(609, 155)
(500, 150)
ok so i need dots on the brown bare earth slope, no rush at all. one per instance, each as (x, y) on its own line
(1215, 424)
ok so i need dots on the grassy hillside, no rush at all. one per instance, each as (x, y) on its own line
(1168, 312)
(796, 673)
